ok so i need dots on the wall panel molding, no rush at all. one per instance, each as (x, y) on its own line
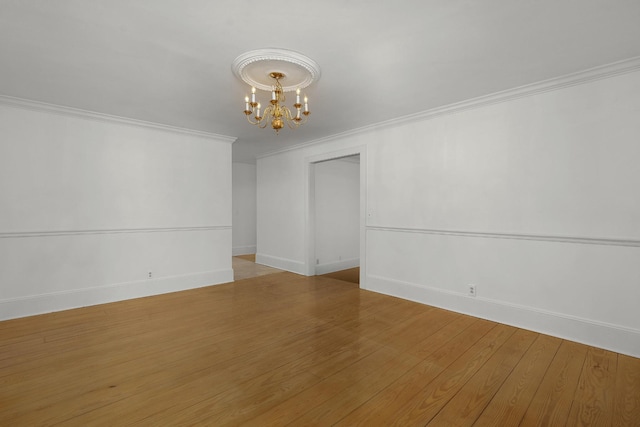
(19, 234)
(517, 236)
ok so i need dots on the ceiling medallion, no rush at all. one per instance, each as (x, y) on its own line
(277, 71)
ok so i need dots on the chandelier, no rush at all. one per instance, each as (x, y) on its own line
(276, 71)
(276, 113)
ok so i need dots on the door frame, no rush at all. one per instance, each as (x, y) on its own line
(310, 212)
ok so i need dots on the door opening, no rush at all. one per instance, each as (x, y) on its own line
(335, 216)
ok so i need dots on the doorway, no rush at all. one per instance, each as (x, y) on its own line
(336, 215)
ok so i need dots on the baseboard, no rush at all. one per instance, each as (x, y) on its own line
(281, 263)
(337, 266)
(610, 337)
(243, 250)
(58, 301)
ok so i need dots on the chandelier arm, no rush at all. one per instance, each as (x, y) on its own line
(302, 121)
(251, 121)
(268, 112)
(289, 118)
(297, 123)
(265, 117)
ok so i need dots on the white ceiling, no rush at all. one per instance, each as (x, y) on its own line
(169, 61)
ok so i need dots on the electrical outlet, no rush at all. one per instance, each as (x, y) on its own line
(150, 274)
(472, 290)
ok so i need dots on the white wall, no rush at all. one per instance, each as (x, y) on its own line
(244, 208)
(337, 215)
(530, 195)
(90, 205)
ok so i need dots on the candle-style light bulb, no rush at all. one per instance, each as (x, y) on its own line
(253, 95)
(258, 112)
(298, 96)
(306, 104)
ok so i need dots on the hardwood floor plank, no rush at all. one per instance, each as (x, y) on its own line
(627, 392)
(325, 359)
(464, 408)
(419, 329)
(551, 404)
(508, 406)
(345, 400)
(317, 401)
(357, 381)
(449, 349)
(593, 402)
(436, 394)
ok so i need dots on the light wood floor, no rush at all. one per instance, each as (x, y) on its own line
(244, 267)
(349, 275)
(282, 349)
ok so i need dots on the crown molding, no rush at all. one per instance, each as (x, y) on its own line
(592, 74)
(58, 233)
(101, 117)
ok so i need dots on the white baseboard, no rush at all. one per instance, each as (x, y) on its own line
(281, 263)
(611, 337)
(243, 250)
(58, 301)
(337, 265)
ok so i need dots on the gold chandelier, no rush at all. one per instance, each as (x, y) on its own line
(277, 71)
(276, 113)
